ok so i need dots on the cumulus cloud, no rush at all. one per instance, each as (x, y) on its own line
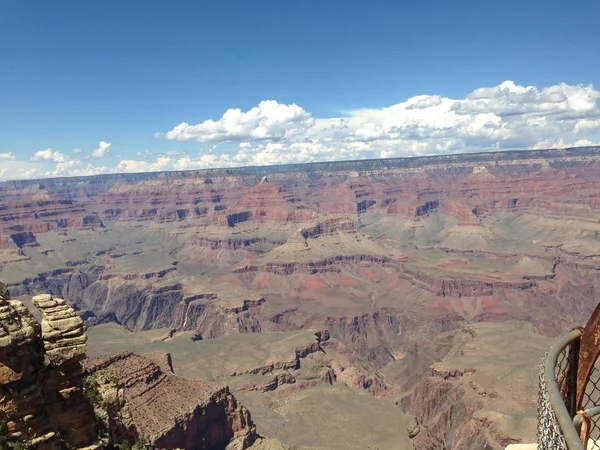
(14, 169)
(507, 116)
(269, 120)
(7, 156)
(103, 150)
(49, 155)
(585, 143)
(424, 101)
(509, 99)
(76, 150)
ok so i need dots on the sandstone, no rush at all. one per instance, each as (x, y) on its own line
(41, 399)
(62, 330)
(172, 412)
(385, 255)
(43, 403)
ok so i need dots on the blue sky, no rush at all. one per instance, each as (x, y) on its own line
(343, 74)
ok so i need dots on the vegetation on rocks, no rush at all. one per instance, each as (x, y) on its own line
(8, 441)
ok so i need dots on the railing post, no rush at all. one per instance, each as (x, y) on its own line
(588, 354)
(570, 389)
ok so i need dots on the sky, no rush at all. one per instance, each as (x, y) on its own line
(90, 87)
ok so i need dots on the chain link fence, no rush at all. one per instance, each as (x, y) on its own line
(549, 434)
(591, 398)
(556, 400)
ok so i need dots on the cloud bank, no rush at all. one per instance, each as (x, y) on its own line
(506, 116)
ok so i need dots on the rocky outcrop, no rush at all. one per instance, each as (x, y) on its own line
(234, 244)
(220, 320)
(426, 208)
(443, 416)
(43, 402)
(34, 209)
(62, 330)
(448, 287)
(331, 264)
(141, 402)
(460, 401)
(283, 364)
(328, 227)
(48, 402)
(278, 380)
(163, 359)
(439, 239)
(24, 239)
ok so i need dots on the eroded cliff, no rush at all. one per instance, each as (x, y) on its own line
(48, 402)
(385, 255)
(140, 402)
(41, 382)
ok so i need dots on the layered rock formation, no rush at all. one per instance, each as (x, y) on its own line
(385, 255)
(140, 402)
(48, 402)
(43, 403)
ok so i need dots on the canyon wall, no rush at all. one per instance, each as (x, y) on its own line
(385, 255)
(41, 376)
(53, 397)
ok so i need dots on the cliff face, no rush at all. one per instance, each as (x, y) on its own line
(48, 402)
(141, 402)
(375, 252)
(41, 376)
(462, 401)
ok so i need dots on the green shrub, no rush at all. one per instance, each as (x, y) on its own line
(91, 391)
(7, 441)
(142, 444)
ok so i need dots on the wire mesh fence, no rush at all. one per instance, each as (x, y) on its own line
(557, 396)
(549, 433)
(591, 398)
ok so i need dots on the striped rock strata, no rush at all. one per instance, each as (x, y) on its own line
(42, 402)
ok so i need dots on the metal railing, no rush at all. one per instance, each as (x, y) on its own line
(569, 394)
(569, 391)
(557, 386)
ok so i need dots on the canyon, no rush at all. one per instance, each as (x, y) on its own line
(54, 397)
(392, 303)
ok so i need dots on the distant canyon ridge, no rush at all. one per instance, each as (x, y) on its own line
(400, 267)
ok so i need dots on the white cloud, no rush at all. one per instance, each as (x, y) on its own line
(509, 99)
(49, 155)
(506, 116)
(161, 163)
(103, 150)
(587, 125)
(76, 151)
(500, 117)
(269, 120)
(64, 168)
(7, 156)
(425, 101)
(585, 143)
(558, 143)
(12, 169)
